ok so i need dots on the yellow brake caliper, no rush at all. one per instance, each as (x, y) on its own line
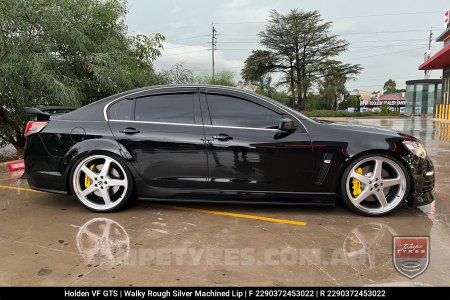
(357, 184)
(87, 180)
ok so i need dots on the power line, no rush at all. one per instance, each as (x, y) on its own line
(177, 54)
(356, 42)
(385, 15)
(262, 22)
(345, 17)
(411, 44)
(183, 46)
(391, 52)
(348, 52)
(188, 38)
(382, 32)
(351, 33)
(358, 47)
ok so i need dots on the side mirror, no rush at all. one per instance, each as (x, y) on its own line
(286, 124)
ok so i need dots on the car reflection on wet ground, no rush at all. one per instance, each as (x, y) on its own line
(48, 239)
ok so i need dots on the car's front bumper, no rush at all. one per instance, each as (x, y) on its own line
(422, 171)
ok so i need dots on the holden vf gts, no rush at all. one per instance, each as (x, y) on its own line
(219, 144)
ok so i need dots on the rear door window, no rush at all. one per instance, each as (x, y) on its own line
(167, 108)
(121, 110)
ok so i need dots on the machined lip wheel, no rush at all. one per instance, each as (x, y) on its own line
(382, 182)
(100, 182)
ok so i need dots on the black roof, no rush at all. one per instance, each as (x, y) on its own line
(95, 110)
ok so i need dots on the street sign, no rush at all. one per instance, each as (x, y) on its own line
(17, 165)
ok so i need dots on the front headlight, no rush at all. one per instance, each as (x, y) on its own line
(416, 148)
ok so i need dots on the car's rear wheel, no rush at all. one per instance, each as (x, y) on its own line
(101, 183)
(375, 185)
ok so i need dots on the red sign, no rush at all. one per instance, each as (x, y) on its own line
(411, 255)
(17, 165)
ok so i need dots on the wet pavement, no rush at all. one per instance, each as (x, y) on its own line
(48, 239)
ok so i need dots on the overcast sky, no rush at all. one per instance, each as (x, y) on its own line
(388, 38)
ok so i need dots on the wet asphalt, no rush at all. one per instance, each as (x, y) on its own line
(48, 240)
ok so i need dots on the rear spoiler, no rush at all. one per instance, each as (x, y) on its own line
(43, 113)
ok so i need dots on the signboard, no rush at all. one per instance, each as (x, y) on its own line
(388, 102)
(17, 165)
(446, 15)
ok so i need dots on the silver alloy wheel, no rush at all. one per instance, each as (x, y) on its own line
(383, 185)
(109, 182)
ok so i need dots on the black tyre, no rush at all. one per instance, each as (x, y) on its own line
(375, 185)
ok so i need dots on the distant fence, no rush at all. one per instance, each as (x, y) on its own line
(443, 111)
(442, 132)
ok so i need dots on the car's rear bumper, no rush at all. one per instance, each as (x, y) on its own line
(33, 185)
(43, 171)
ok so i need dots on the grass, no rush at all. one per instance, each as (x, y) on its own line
(333, 113)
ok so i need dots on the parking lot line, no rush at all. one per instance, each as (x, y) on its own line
(18, 188)
(206, 211)
(236, 215)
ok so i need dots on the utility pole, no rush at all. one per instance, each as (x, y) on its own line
(428, 53)
(213, 47)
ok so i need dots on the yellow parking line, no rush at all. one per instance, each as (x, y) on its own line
(206, 211)
(236, 215)
(18, 188)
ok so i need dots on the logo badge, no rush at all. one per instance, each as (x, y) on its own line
(411, 254)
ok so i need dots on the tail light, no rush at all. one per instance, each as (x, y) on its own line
(34, 127)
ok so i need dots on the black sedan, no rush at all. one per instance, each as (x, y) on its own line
(212, 143)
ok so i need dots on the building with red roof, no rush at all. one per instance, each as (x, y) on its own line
(441, 61)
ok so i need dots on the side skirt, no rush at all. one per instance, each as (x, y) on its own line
(248, 197)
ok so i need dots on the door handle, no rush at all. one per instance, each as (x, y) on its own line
(130, 130)
(222, 137)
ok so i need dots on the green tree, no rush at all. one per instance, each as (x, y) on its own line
(390, 87)
(221, 78)
(178, 74)
(384, 108)
(350, 102)
(301, 48)
(66, 52)
(272, 93)
(317, 102)
(332, 88)
(257, 65)
(281, 97)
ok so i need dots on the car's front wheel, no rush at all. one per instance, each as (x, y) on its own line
(375, 185)
(101, 183)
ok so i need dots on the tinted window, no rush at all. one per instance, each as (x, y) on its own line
(170, 108)
(120, 110)
(230, 111)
